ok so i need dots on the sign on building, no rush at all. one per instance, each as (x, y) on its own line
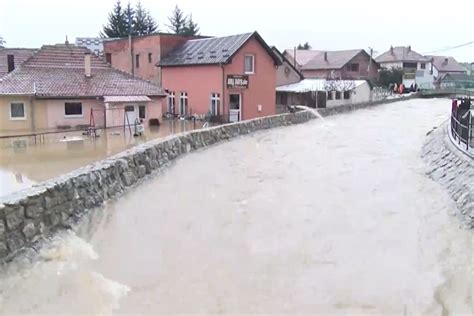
(237, 81)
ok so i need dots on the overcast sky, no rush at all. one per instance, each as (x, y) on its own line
(327, 25)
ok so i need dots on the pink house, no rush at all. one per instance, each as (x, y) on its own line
(228, 78)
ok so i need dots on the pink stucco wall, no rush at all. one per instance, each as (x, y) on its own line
(200, 81)
(261, 90)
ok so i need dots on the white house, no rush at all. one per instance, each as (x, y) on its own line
(322, 93)
(416, 67)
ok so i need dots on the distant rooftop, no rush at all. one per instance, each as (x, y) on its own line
(446, 64)
(401, 54)
(318, 59)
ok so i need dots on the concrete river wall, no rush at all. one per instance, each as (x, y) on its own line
(453, 169)
(29, 217)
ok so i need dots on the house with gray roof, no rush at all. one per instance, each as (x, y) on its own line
(416, 67)
(228, 78)
(66, 86)
(443, 65)
(343, 64)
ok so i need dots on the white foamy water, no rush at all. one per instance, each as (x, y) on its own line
(326, 218)
(60, 283)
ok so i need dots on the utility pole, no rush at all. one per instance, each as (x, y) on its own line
(370, 61)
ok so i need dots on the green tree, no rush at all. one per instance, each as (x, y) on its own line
(177, 21)
(2, 41)
(191, 28)
(143, 22)
(118, 22)
(388, 76)
(305, 46)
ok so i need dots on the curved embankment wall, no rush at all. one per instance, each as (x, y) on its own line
(30, 216)
(453, 169)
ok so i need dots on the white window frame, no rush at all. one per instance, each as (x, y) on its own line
(253, 64)
(171, 101)
(215, 104)
(183, 103)
(74, 115)
(23, 118)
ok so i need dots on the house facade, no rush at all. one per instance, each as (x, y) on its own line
(139, 55)
(443, 65)
(65, 86)
(287, 73)
(416, 67)
(354, 64)
(229, 78)
(322, 93)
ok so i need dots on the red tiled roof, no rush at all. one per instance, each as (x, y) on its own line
(58, 71)
(20, 56)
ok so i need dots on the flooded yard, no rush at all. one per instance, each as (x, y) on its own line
(331, 217)
(23, 163)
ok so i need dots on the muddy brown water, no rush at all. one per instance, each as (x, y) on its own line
(24, 163)
(328, 218)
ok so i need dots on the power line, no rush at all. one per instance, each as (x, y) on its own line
(449, 48)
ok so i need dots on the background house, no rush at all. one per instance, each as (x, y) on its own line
(344, 64)
(140, 55)
(416, 67)
(321, 93)
(59, 86)
(287, 73)
(232, 78)
(11, 58)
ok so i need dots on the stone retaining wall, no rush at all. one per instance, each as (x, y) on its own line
(30, 216)
(453, 170)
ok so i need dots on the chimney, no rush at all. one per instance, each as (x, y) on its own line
(446, 60)
(326, 56)
(87, 64)
(10, 62)
(409, 48)
(391, 50)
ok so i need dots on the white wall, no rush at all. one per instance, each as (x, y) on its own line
(360, 94)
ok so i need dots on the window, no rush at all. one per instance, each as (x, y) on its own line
(330, 97)
(11, 62)
(423, 66)
(149, 58)
(183, 103)
(409, 65)
(137, 60)
(108, 58)
(249, 64)
(73, 109)
(347, 95)
(142, 112)
(171, 102)
(338, 95)
(17, 111)
(215, 104)
(352, 67)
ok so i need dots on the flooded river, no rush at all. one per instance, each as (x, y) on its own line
(330, 217)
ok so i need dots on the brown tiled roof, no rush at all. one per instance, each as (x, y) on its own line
(401, 53)
(315, 59)
(447, 64)
(20, 56)
(58, 71)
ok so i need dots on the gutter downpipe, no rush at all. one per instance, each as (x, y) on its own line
(223, 94)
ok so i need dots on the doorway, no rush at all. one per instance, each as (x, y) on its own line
(131, 112)
(235, 107)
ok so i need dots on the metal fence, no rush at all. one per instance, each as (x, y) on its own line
(462, 126)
